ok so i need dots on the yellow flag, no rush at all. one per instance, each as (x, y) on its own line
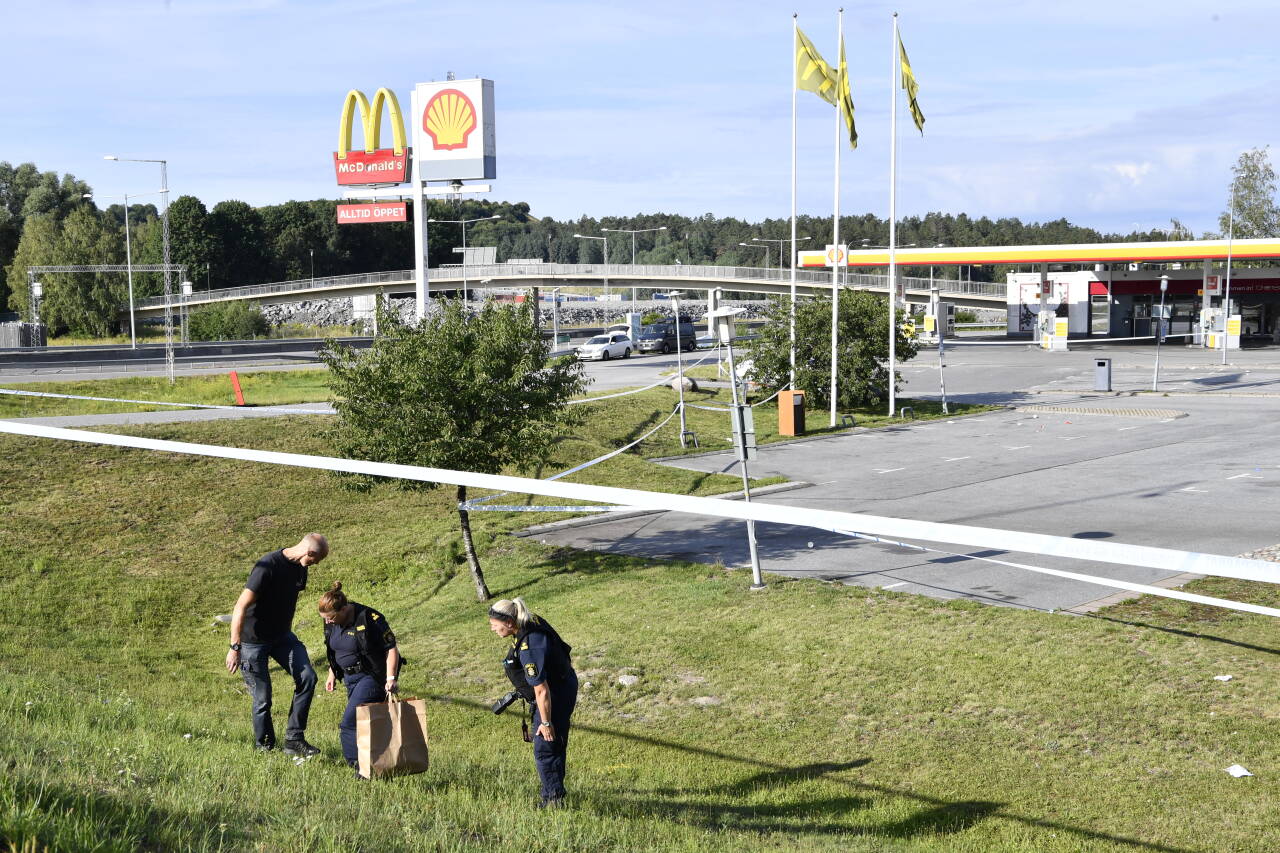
(846, 98)
(909, 83)
(813, 74)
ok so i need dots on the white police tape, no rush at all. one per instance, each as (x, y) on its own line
(280, 409)
(664, 381)
(1118, 584)
(898, 528)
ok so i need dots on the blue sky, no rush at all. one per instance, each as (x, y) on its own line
(1114, 115)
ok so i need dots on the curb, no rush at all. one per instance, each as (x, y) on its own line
(605, 518)
(1120, 413)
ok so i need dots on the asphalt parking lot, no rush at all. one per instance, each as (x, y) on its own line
(1196, 471)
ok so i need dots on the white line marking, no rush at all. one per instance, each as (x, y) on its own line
(1122, 429)
(955, 458)
(1072, 438)
(1018, 447)
(1250, 476)
(888, 470)
(1192, 489)
(904, 583)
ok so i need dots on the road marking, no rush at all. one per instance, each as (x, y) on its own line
(892, 585)
(888, 470)
(1192, 489)
(955, 458)
(1250, 476)
(1122, 429)
(1018, 447)
(1073, 438)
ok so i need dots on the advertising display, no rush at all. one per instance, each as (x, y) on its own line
(371, 165)
(361, 214)
(454, 130)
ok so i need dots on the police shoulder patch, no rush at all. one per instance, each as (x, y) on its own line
(531, 669)
(524, 647)
(375, 616)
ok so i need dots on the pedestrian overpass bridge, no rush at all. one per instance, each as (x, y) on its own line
(689, 277)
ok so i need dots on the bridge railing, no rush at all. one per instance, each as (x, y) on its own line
(619, 273)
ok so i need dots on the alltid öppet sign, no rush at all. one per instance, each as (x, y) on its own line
(354, 214)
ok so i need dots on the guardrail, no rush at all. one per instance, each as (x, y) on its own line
(615, 273)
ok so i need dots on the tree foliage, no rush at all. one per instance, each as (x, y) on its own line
(227, 321)
(467, 392)
(862, 350)
(1254, 184)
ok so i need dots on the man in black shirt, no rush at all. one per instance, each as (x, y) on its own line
(262, 630)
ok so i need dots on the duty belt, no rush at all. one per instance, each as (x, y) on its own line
(352, 670)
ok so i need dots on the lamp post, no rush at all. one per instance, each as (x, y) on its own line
(1226, 293)
(674, 296)
(464, 223)
(555, 317)
(758, 246)
(605, 238)
(633, 232)
(128, 256)
(779, 242)
(1164, 286)
(313, 267)
(164, 231)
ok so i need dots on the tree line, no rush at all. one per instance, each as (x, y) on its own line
(46, 219)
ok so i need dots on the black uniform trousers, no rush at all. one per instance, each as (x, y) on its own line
(549, 756)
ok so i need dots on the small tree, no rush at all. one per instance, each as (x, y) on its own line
(863, 352)
(1256, 212)
(468, 392)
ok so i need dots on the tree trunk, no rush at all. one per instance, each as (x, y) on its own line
(477, 574)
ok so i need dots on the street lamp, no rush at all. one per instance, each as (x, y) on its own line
(633, 232)
(1164, 286)
(555, 317)
(674, 296)
(313, 267)
(758, 246)
(605, 238)
(128, 256)
(779, 242)
(1226, 293)
(164, 230)
(464, 223)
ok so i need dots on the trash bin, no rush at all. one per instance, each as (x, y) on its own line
(791, 413)
(1102, 374)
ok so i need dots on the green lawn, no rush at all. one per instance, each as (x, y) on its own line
(806, 717)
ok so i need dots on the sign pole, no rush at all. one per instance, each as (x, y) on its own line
(420, 243)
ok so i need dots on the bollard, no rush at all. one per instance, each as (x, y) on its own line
(235, 385)
(1102, 374)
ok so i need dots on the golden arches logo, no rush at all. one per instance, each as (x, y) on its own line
(449, 119)
(371, 119)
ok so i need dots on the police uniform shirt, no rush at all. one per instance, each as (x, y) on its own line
(345, 649)
(535, 651)
(276, 581)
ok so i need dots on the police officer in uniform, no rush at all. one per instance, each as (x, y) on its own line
(362, 651)
(538, 661)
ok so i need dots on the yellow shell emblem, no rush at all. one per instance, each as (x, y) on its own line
(449, 119)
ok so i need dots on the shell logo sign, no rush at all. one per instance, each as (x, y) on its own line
(453, 130)
(449, 119)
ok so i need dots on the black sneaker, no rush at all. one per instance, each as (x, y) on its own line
(265, 745)
(300, 747)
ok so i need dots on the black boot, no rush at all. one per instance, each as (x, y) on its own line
(300, 747)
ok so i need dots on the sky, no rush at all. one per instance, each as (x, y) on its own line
(1113, 115)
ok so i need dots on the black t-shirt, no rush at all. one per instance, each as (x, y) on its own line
(276, 580)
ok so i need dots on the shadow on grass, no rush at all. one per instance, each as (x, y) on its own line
(118, 822)
(1182, 632)
(936, 817)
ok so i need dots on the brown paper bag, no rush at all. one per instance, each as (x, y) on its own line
(391, 737)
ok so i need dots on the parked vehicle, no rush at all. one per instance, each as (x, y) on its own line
(661, 337)
(606, 346)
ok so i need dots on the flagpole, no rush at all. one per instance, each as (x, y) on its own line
(795, 83)
(835, 218)
(893, 216)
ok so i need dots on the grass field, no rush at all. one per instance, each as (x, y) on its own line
(806, 717)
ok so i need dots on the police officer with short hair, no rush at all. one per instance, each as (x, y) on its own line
(539, 666)
(362, 651)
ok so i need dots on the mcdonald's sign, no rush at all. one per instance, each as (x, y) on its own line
(371, 166)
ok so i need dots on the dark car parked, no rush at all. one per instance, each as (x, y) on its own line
(661, 337)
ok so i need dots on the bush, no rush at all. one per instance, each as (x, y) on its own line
(966, 317)
(654, 317)
(227, 321)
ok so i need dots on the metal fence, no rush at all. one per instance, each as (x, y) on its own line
(619, 273)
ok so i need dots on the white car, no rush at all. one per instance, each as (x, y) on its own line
(606, 346)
